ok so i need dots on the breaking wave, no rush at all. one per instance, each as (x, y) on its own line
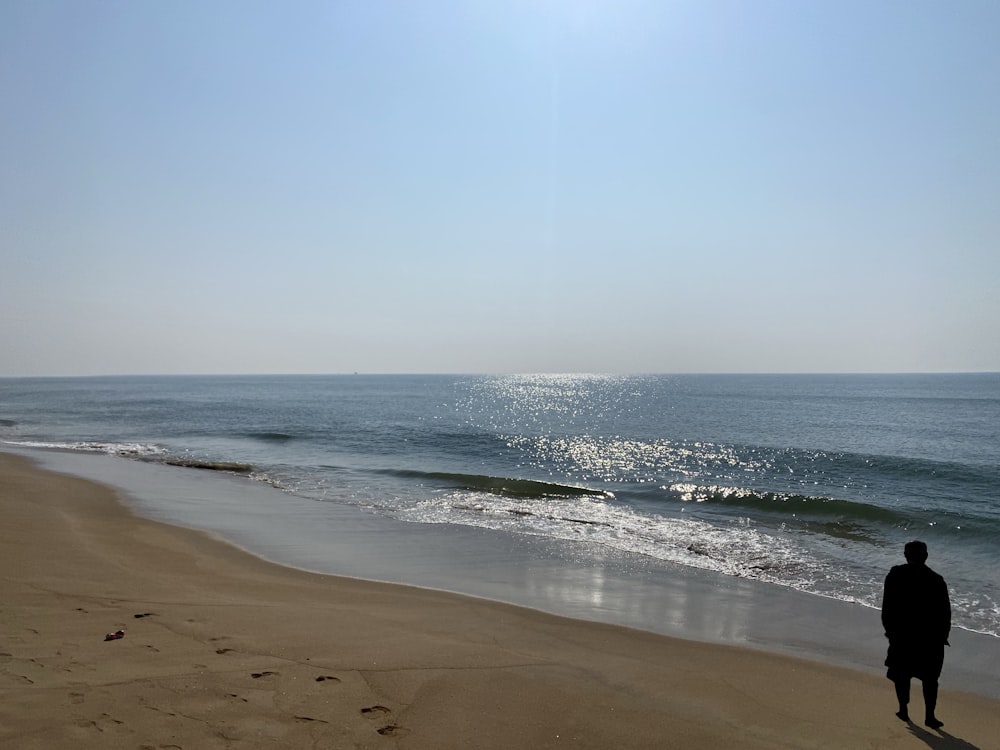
(523, 488)
(132, 450)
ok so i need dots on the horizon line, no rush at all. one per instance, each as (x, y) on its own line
(593, 373)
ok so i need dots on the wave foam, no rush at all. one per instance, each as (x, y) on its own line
(737, 549)
(113, 449)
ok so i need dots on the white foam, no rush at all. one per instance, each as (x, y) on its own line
(736, 549)
(112, 449)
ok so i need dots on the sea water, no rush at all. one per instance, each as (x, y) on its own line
(807, 482)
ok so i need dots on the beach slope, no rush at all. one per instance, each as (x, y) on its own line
(224, 650)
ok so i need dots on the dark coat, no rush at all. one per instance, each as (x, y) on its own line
(916, 615)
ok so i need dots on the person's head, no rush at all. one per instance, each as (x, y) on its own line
(915, 552)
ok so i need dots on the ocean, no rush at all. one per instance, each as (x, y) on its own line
(807, 482)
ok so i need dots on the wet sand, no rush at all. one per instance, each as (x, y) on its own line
(222, 649)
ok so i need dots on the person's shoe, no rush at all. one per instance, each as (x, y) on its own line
(933, 722)
(902, 715)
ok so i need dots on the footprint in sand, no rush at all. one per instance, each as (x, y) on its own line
(324, 677)
(223, 650)
(258, 675)
(100, 723)
(392, 730)
(389, 730)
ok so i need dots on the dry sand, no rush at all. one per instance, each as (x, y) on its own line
(224, 650)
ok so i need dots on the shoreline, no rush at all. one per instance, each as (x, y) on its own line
(563, 578)
(232, 650)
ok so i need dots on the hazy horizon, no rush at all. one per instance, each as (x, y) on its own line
(488, 374)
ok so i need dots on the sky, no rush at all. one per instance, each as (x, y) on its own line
(474, 186)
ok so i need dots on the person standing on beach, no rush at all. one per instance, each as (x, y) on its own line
(916, 616)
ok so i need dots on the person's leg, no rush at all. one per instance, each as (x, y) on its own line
(903, 696)
(933, 661)
(930, 703)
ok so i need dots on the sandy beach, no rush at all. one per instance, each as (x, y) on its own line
(224, 650)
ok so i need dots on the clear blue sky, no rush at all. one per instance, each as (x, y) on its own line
(571, 185)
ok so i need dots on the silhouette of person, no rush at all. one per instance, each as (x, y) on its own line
(916, 616)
